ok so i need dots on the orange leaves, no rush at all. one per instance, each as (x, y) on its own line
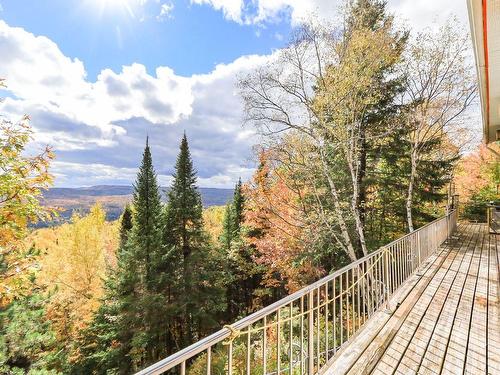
(273, 210)
(477, 171)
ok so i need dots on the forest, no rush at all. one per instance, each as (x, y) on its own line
(365, 132)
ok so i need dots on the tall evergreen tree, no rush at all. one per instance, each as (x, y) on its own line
(242, 275)
(372, 16)
(227, 234)
(238, 204)
(145, 304)
(184, 224)
(146, 234)
(233, 218)
(199, 292)
(130, 329)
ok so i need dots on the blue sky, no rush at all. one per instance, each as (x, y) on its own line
(97, 76)
(190, 39)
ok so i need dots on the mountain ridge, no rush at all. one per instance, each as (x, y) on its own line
(113, 199)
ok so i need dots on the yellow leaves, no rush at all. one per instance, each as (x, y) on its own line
(212, 221)
(73, 266)
(353, 83)
(21, 181)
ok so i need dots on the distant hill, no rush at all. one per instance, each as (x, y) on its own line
(113, 198)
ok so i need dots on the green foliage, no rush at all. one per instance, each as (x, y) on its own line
(184, 214)
(21, 183)
(238, 206)
(125, 225)
(28, 345)
(196, 293)
(475, 209)
(388, 182)
(242, 275)
(127, 331)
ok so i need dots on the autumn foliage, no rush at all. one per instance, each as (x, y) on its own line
(22, 180)
(478, 171)
(275, 210)
(73, 265)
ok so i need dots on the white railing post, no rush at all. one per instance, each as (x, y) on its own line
(447, 224)
(310, 334)
(419, 249)
(387, 275)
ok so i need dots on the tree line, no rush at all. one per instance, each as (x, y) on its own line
(168, 287)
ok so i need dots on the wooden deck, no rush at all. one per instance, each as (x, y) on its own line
(444, 320)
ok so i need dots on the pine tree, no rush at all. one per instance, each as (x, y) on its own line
(144, 304)
(146, 234)
(28, 342)
(198, 291)
(184, 214)
(233, 218)
(130, 328)
(227, 234)
(238, 205)
(242, 274)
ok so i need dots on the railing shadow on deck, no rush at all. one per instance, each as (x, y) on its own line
(298, 334)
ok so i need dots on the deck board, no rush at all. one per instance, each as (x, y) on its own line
(409, 345)
(447, 323)
(456, 350)
(493, 342)
(436, 350)
(475, 360)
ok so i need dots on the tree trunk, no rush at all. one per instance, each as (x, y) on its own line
(357, 166)
(358, 198)
(360, 228)
(338, 213)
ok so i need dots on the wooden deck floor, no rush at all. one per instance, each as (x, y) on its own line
(444, 320)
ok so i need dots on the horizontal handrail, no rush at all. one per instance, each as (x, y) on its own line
(369, 281)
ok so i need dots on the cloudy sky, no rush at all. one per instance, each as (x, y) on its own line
(97, 76)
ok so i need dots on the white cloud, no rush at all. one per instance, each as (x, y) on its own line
(418, 14)
(75, 174)
(165, 11)
(424, 13)
(98, 128)
(37, 71)
(232, 9)
(259, 11)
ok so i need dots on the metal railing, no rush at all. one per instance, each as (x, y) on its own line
(301, 332)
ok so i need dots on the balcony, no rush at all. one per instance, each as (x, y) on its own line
(444, 319)
(425, 303)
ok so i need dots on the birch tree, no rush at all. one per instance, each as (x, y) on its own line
(328, 85)
(440, 86)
